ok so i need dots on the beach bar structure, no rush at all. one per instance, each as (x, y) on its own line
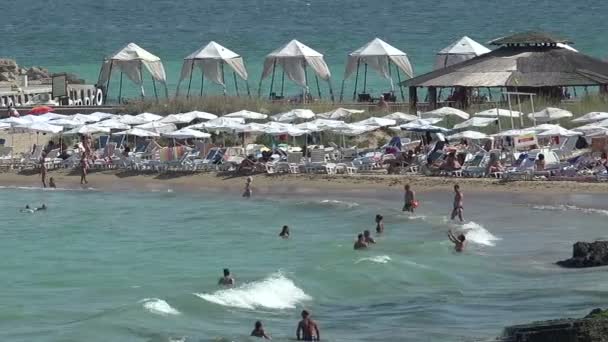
(295, 59)
(459, 51)
(381, 57)
(211, 59)
(130, 61)
(530, 62)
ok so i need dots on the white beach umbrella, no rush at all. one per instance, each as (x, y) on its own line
(253, 128)
(83, 118)
(158, 127)
(197, 115)
(221, 123)
(138, 133)
(325, 124)
(550, 114)
(247, 115)
(287, 129)
(186, 133)
(87, 129)
(475, 122)
(102, 115)
(542, 128)
(591, 117)
(112, 124)
(559, 131)
(293, 115)
(339, 113)
(148, 117)
(354, 129)
(309, 126)
(446, 111)
(511, 133)
(4, 125)
(42, 127)
(176, 119)
(473, 135)
(422, 125)
(400, 117)
(66, 123)
(375, 121)
(494, 112)
(590, 129)
(14, 121)
(33, 118)
(52, 116)
(131, 120)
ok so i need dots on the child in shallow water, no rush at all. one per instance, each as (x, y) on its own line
(247, 193)
(379, 224)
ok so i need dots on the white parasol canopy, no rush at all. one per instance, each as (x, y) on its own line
(102, 116)
(375, 121)
(446, 111)
(148, 117)
(158, 127)
(247, 115)
(112, 124)
(293, 115)
(590, 129)
(186, 133)
(175, 119)
(475, 122)
(550, 114)
(131, 120)
(87, 129)
(494, 112)
(401, 117)
(15, 121)
(33, 118)
(309, 126)
(474, 135)
(592, 117)
(220, 123)
(512, 133)
(197, 115)
(52, 116)
(294, 57)
(559, 131)
(423, 125)
(66, 123)
(210, 59)
(42, 127)
(325, 124)
(339, 113)
(378, 54)
(253, 128)
(461, 50)
(138, 132)
(83, 118)
(4, 125)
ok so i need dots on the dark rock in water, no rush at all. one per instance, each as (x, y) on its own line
(592, 328)
(587, 254)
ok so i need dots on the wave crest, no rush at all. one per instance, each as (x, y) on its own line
(563, 207)
(476, 233)
(158, 306)
(379, 259)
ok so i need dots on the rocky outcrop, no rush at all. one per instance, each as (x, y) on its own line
(592, 328)
(587, 254)
(10, 70)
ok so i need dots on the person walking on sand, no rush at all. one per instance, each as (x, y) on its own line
(247, 193)
(360, 243)
(458, 209)
(258, 331)
(409, 201)
(308, 330)
(227, 279)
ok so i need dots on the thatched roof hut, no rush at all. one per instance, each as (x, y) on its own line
(532, 61)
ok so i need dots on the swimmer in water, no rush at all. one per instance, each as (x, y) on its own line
(227, 279)
(284, 232)
(459, 242)
(43, 207)
(259, 331)
(52, 183)
(458, 209)
(368, 237)
(27, 209)
(379, 224)
(308, 330)
(360, 243)
(247, 193)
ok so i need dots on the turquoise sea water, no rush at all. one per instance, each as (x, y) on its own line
(129, 266)
(75, 35)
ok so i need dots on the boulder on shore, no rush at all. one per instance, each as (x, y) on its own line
(587, 254)
(592, 328)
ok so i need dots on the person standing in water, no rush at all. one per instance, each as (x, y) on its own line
(43, 172)
(409, 199)
(379, 224)
(227, 279)
(458, 196)
(247, 193)
(459, 242)
(84, 166)
(308, 330)
(284, 232)
(259, 331)
(368, 237)
(360, 243)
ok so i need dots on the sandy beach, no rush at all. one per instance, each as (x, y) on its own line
(120, 180)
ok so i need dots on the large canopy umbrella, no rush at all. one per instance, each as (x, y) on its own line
(112, 124)
(293, 115)
(401, 117)
(375, 121)
(186, 133)
(211, 59)
(220, 124)
(33, 118)
(446, 111)
(158, 127)
(131, 120)
(512, 133)
(102, 116)
(325, 124)
(148, 117)
(42, 127)
(590, 129)
(67, 123)
(198, 115)
(559, 131)
(295, 58)
(188, 117)
(175, 119)
(339, 113)
(87, 129)
(475, 122)
(83, 118)
(495, 112)
(592, 117)
(473, 135)
(5, 125)
(53, 116)
(131, 60)
(252, 128)
(422, 125)
(354, 129)
(138, 132)
(247, 115)
(459, 51)
(550, 114)
(15, 121)
(542, 128)
(378, 55)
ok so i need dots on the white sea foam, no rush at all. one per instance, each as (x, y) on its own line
(158, 306)
(379, 259)
(563, 207)
(337, 203)
(274, 292)
(476, 233)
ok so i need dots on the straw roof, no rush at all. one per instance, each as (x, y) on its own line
(530, 38)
